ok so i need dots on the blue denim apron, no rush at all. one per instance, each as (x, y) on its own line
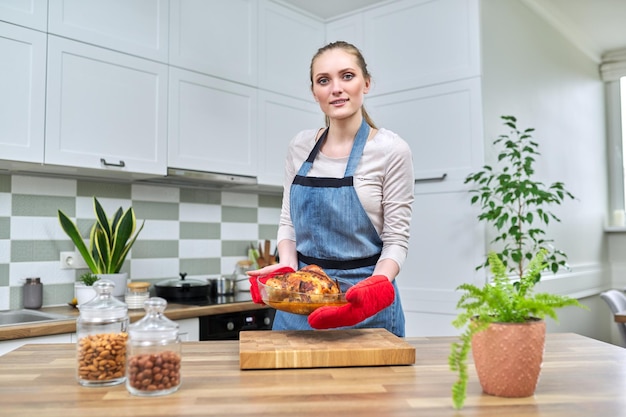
(334, 232)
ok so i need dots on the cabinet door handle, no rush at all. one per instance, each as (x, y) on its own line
(440, 178)
(120, 164)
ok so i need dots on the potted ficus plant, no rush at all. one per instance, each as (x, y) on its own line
(503, 321)
(110, 241)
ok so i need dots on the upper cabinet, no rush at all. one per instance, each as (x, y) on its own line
(215, 38)
(31, 14)
(280, 119)
(23, 86)
(438, 41)
(105, 110)
(212, 124)
(287, 42)
(443, 126)
(414, 43)
(134, 27)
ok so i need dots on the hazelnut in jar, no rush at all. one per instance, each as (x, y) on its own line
(154, 353)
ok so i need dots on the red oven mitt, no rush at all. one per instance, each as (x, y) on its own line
(365, 299)
(254, 282)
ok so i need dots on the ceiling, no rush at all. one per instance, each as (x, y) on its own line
(595, 26)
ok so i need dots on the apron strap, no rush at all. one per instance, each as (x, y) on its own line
(355, 154)
(357, 148)
(335, 264)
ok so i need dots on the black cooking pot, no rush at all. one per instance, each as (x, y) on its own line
(182, 289)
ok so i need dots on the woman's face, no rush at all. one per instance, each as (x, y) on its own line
(338, 84)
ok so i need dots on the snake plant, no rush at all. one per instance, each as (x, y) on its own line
(110, 239)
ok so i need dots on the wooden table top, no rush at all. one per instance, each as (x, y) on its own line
(580, 377)
(620, 317)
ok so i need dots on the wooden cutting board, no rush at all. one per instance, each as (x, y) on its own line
(322, 349)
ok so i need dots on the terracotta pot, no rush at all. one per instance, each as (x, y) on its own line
(508, 357)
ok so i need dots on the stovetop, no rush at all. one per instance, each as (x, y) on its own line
(239, 297)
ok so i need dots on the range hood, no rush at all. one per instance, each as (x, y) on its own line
(190, 178)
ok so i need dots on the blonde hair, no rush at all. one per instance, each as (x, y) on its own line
(354, 51)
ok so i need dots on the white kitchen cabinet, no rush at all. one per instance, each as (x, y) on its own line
(443, 126)
(23, 97)
(135, 27)
(32, 14)
(9, 345)
(446, 245)
(212, 124)
(189, 329)
(287, 42)
(412, 43)
(105, 110)
(280, 119)
(217, 38)
(348, 29)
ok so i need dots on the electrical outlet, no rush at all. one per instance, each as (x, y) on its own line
(72, 260)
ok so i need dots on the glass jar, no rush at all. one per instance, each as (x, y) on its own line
(154, 352)
(101, 330)
(136, 294)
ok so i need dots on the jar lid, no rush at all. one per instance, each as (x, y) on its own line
(103, 306)
(138, 286)
(154, 326)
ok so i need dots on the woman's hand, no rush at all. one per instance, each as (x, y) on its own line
(365, 299)
(263, 275)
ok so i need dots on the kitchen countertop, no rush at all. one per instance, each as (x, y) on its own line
(174, 311)
(580, 377)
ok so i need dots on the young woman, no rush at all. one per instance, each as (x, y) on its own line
(347, 200)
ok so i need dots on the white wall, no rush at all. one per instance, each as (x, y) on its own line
(531, 71)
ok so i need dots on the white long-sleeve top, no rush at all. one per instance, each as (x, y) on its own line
(383, 180)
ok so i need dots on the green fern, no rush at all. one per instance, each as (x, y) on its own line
(499, 302)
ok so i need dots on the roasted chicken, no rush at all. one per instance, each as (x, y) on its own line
(307, 284)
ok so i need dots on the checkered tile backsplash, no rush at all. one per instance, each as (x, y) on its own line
(200, 232)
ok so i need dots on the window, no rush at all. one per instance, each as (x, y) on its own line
(622, 136)
(613, 70)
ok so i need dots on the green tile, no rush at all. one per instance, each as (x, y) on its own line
(15, 294)
(38, 250)
(4, 275)
(103, 189)
(42, 205)
(196, 230)
(84, 226)
(5, 227)
(239, 214)
(194, 195)
(57, 294)
(5, 183)
(155, 210)
(268, 231)
(235, 247)
(148, 249)
(200, 266)
(271, 201)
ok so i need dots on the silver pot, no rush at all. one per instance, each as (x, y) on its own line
(224, 285)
